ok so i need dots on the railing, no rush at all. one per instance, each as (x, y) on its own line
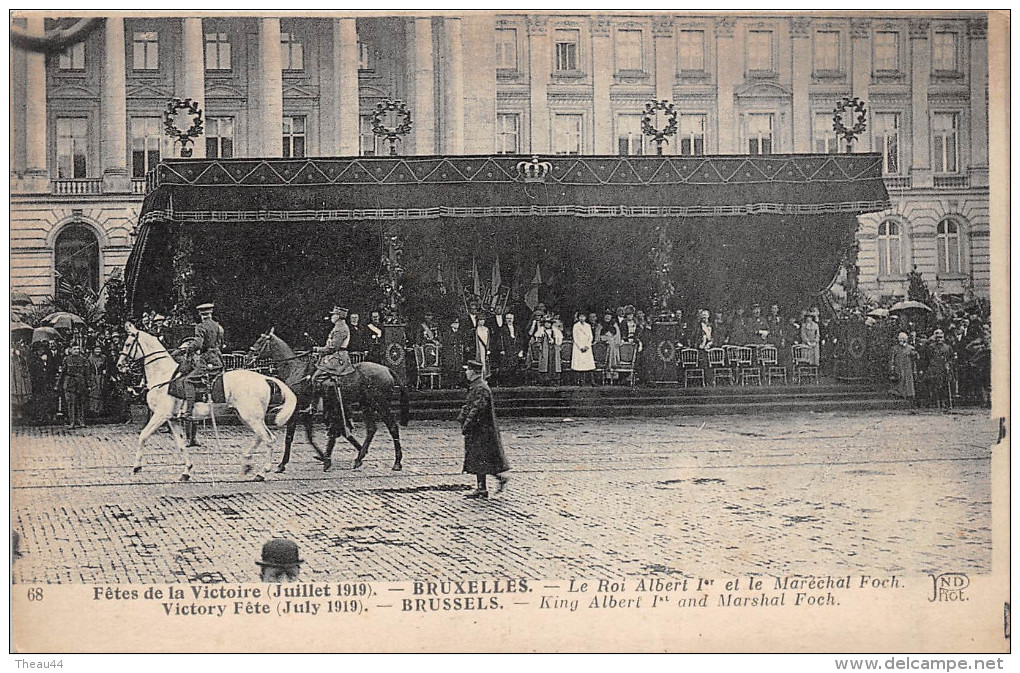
(897, 182)
(78, 186)
(951, 181)
(137, 185)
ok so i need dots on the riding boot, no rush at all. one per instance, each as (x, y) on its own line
(192, 430)
(189, 402)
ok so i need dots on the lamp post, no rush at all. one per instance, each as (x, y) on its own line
(391, 134)
(659, 136)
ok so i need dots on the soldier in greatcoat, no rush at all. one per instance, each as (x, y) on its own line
(73, 381)
(334, 360)
(483, 447)
(208, 361)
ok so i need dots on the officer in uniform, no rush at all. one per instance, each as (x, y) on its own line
(208, 362)
(334, 360)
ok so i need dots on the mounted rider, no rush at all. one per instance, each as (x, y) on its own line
(334, 360)
(204, 354)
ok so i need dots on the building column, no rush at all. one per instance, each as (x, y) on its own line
(116, 177)
(36, 149)
(479, 37)
(665, 57)
(453, 86)
(340, 122)
(978, 33)
(193, 65)
(920, 74)
(728, 132)
(539, 69)
(860, 79)
(800, 34)
(424, 128)
(602, 79)
(269, 111)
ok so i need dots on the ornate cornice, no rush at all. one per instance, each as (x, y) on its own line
(662, 26)
(724, 26)
(860, 28)
(800, 27)
(919, 29)
(601, 26)
(537, 25)
(977, 28)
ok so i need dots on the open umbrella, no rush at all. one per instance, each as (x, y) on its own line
(908, 306)
(20, 299)
(20, 330)
(879, 313)
(63, 320)
(45, 334)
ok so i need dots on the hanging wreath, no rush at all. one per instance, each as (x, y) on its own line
(649, 116)
(856, 107)
(173, 106)
(402, 129)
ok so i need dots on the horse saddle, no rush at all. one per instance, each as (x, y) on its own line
(177, 389)
(343, 382)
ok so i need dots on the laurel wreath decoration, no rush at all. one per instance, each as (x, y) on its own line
(184, 137)
(671, 124)
(855, 106)
(402, 129)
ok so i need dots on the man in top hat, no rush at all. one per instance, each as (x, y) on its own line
(334, 360)
(280, 561)
(205, 350)
(483, 447)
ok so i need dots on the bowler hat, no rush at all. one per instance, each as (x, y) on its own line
(474, 365)
(279, 553)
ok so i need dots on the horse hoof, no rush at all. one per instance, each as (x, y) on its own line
(259, 477)
(185, 477)
(136, 469)
(357, 464)
(319, 458)
(327, 465)
(280, 469)
(397, 467)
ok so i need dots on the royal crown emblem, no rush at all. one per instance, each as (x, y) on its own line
(534, 170)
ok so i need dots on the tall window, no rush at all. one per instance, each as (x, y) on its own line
(760, 138)
(292, 52)
(369, 144)
(219, 137)
(566, 49)
(72, 147)
(73, 58)
(508, 134)
(76, 257)
(692, 50)
(950, 251)
(567, 133)
(217, 51)
(692, 134)
(146, 50)
(827, 52)
(628, 50)
(293, 137)
(366, 60)
(759, 50)
(887, 51)
(506, 48)
(943, 52)
(890, 255)
(887, 139)
(146, 139)
(826, 141)
(629, 138)
(945, 152)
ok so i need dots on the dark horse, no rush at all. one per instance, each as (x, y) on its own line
(371, 386)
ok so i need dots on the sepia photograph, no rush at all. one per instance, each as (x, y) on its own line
(507, 331)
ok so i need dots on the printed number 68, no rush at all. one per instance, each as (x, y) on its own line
(35, 594)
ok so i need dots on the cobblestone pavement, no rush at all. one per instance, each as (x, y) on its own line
(801, 493)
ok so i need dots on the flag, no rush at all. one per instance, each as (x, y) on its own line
(474, 275)
(497, 281)
(531, 296)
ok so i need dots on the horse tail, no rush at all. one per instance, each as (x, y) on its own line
(405, 400)
(283, 412)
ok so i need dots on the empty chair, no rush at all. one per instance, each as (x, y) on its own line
(749, 373)
(357, 356)
(628, 359)
(689, 366)
(718, 366)
(768, 358)
(803, 366)
(731, 354)
(600, 351)
(427, 358)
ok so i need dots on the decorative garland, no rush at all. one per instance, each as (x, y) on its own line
(183, 282)
(849, 135)
(656, 135)
(170, 128)
(391, 281)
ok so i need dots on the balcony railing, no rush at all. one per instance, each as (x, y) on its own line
(78, 186)
(137, 185)
(897, 182)
(952, 181)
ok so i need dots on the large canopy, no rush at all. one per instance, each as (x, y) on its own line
(276, 241)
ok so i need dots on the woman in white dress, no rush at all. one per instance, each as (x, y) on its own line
(582, 360)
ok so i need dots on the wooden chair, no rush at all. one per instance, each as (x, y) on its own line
(717, 365)
(745, 364)
(689, 365)
(357, 356)
(768, 358)
(628, 361)
(802, 367)
(600, 351)
(427, 358)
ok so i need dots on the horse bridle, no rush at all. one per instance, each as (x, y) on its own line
(143, 358)
(255, 355)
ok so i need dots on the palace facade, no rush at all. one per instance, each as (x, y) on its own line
(526, 84)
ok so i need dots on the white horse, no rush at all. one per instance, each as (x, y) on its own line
(246, 391)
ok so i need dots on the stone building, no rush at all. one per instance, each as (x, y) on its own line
(505, 83)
